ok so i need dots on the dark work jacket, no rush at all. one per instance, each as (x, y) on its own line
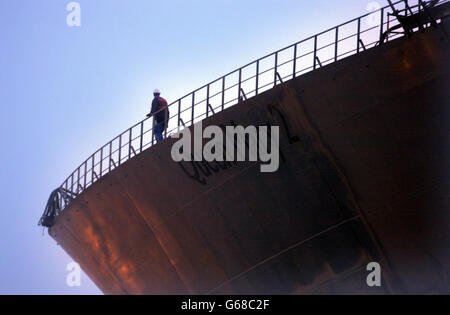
(157, 104)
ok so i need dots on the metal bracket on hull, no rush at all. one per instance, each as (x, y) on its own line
(57, 200)
(428, 13)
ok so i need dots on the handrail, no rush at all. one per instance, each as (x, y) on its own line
(118, 150)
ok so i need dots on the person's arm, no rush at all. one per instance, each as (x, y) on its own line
(152, 110)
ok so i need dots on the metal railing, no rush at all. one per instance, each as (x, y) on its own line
(250, 80)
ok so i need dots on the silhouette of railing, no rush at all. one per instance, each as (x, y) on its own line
(250, 80)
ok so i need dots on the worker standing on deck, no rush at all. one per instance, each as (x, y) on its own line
(160, 112)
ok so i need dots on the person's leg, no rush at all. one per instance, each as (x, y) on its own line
(158, 132)
(163, 129)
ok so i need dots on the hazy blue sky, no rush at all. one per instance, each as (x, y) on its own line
(65, 91)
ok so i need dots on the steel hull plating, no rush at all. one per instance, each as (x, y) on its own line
(363, 177)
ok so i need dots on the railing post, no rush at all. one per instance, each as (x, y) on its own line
(120, 149)
(295, 61)
(92, 171)
(141, 137)
(239, 85)
(78, 180)
(276, 69)
(207, 100)
(85, 174)
(336, 41)
(166, 127)
(71, 183)
(192, 110)
(257, 77)
(153, 131)
(381, 26)
(101, 161)
(179, 113)
(359, 35)
(129, 142)
(110, 156)
(223, 92)
(315, 51)
(408, 8)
